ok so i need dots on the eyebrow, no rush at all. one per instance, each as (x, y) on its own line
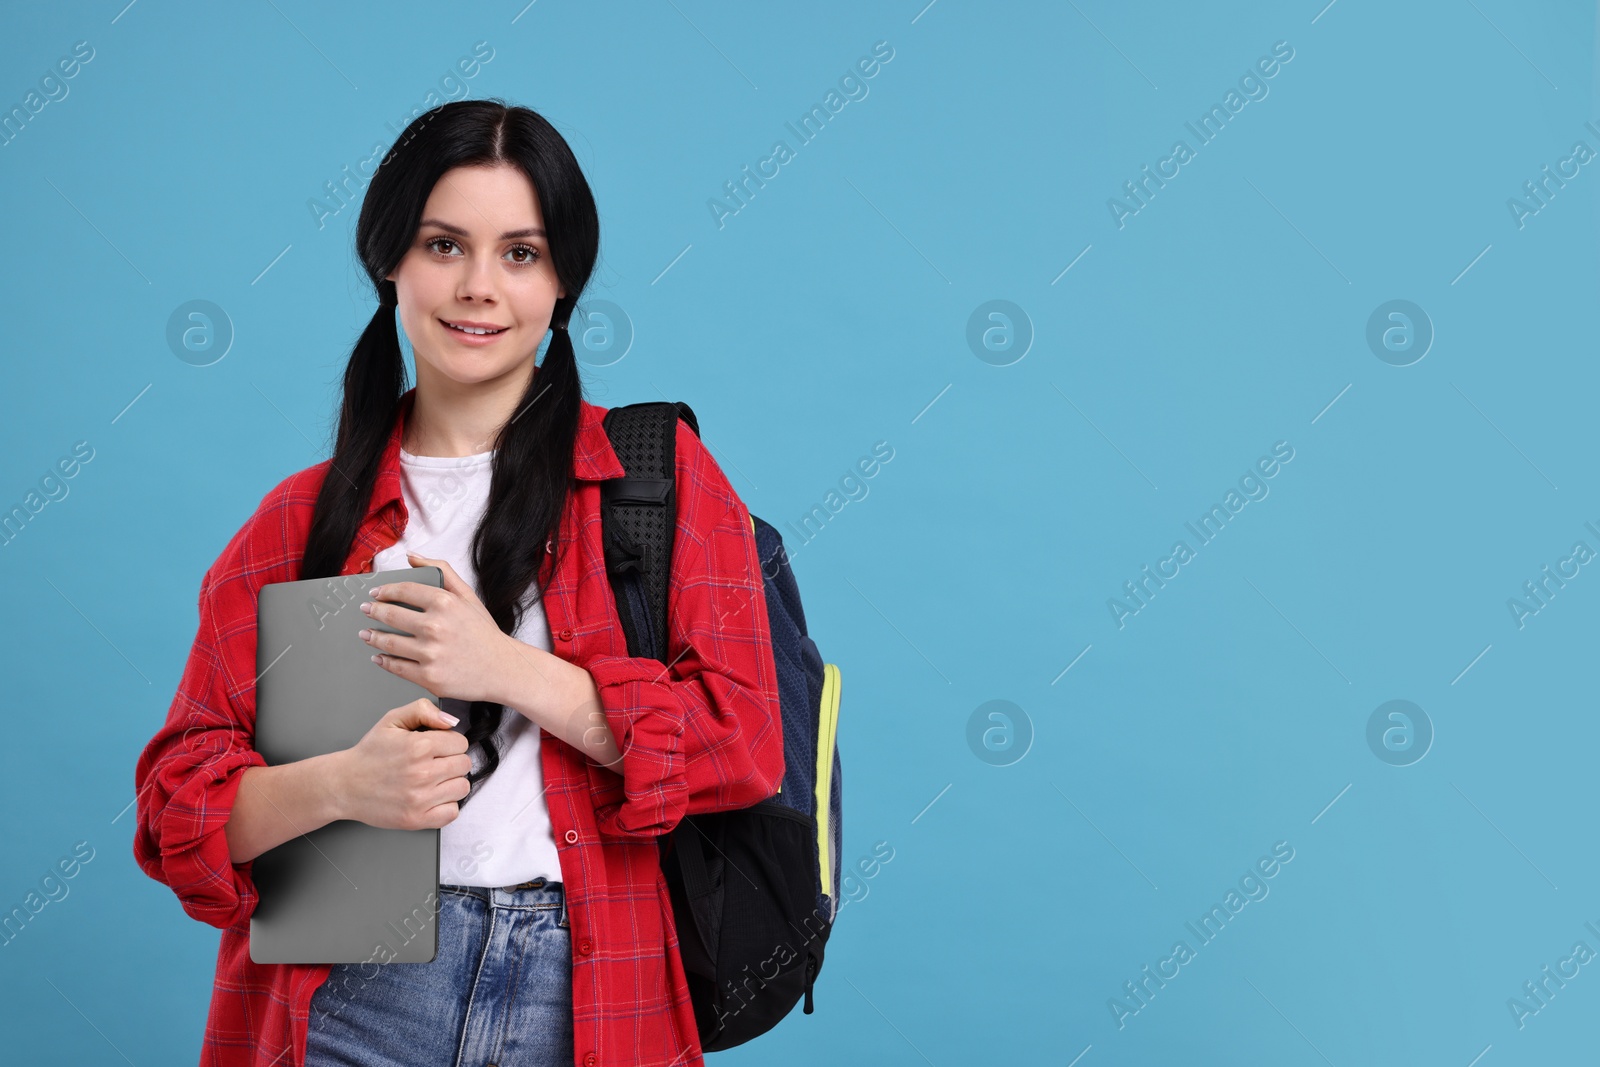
(530, 231)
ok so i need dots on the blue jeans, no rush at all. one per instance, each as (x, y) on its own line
(498, 992)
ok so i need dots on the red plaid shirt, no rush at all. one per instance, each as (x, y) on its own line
(704, 736)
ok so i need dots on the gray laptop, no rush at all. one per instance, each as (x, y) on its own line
(347, 892)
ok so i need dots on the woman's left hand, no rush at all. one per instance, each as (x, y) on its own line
(458, 650)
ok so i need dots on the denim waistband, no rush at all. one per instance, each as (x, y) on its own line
(539, 894)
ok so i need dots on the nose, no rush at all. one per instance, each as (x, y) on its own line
(478, 282)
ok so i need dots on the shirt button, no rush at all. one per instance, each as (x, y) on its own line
(565, 635)
(572, 837)
(584, 947)
(590, 1059)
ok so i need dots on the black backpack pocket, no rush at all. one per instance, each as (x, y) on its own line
(749, 880)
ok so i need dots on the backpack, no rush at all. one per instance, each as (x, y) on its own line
(754, 890)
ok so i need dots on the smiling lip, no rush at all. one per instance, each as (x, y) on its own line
(474, 338)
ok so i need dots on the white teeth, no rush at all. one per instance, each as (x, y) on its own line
(472, 329)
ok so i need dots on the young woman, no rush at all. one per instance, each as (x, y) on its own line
(552, 761)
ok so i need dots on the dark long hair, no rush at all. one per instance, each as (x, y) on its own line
(532, 465)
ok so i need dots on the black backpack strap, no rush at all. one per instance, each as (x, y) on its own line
(687, 415)
(638, 516)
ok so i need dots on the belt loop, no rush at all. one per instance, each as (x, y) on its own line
(563, 923)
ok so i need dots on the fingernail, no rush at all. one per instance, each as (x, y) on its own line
(375, 591)
(452, 718)
(364, 634)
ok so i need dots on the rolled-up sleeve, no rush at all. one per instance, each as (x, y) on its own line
(186, 780)
(702, 732)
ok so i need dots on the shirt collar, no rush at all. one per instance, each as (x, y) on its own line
(593, 459)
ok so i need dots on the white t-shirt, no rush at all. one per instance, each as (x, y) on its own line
(502, 836)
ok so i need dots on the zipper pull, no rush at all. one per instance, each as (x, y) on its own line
(811, 970)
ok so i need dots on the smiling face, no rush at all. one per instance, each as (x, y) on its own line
(476, 288)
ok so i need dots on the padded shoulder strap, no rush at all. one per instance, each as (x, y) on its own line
(638, 516)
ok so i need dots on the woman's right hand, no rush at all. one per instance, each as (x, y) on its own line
(408, 772)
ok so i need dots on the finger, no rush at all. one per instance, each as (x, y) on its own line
(452, 789)
(423, 713)
(398, 646)
(396, 616)
(452, 580)
(447, 767)
(411, 671)
(440, 816)
(448, 744)
(418, 595)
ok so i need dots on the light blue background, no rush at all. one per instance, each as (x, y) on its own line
(832, 313)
